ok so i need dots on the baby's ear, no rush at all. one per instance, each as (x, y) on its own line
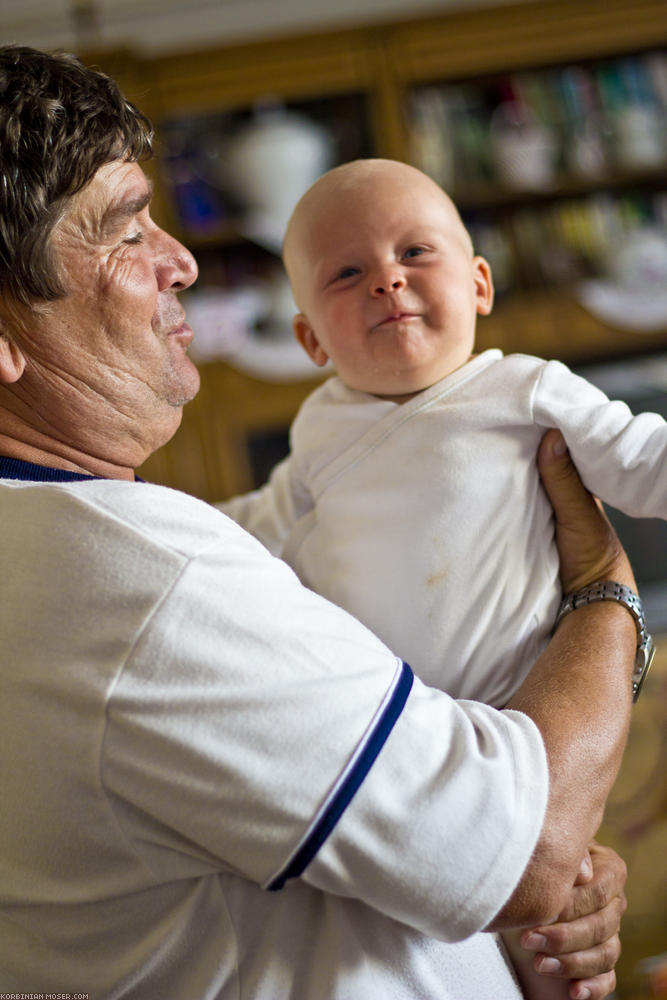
(306, 336)
(483, 286)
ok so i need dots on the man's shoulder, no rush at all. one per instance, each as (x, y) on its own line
(134, 515)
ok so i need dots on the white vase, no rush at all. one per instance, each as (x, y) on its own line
(524, 150)
(271, 162)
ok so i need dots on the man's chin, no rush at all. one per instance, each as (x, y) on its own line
(186, 384)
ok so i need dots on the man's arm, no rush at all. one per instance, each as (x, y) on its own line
(578, 694)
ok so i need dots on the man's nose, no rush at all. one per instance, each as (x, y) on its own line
(387, 280)
(176, 267)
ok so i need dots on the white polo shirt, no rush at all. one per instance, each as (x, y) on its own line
(216, 784)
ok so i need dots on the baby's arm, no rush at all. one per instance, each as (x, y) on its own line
(270, 512)
(621, 458)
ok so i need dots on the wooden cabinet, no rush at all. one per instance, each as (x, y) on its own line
(371, 78)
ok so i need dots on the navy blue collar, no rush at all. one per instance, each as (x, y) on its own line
(14, 468)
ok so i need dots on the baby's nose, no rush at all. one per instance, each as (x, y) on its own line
(389, 284)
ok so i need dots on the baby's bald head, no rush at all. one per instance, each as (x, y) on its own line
(346, 189)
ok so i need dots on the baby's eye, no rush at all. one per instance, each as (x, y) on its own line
(414, 252)
(346, 272)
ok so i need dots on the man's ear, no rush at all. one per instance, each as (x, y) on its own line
(483, 286)
(306, 336)
(12, 359)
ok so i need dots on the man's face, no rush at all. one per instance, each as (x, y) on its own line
(116, 343)
(388, 285)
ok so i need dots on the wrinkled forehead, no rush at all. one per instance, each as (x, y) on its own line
(117, 191)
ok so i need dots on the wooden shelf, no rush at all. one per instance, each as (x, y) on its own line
(553, 325)
(495, 196)
(477, 42)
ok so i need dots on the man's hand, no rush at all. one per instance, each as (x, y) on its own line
(583, 944)
(588, 547)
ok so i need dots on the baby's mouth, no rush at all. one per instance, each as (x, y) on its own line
(397, 316)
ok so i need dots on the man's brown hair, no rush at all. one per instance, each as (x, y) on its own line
(60, 121)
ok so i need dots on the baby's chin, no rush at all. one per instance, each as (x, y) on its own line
(395, 386)
(399, 397)
(400, 389)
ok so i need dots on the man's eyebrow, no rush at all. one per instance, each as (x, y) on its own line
(116, 213)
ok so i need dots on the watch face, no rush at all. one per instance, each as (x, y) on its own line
(645, 655)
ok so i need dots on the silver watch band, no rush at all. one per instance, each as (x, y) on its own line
(609, 590)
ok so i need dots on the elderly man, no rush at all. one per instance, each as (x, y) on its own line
(216, 784)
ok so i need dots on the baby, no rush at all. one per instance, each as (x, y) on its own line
(411, 496)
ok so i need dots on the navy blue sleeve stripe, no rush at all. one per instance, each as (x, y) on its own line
(347, 789)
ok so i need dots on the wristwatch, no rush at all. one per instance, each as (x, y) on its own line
(608, 590)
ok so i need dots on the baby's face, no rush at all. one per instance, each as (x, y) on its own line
(388, 284)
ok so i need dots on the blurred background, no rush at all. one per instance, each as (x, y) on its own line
(546, 120)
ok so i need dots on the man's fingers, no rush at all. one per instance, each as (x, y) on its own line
(593, 989)
(591, 973)
(585, 873)
(581, 964)
(580, 935)
(583, 945)
(561, 480)
(588, 547)
(610, 876)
